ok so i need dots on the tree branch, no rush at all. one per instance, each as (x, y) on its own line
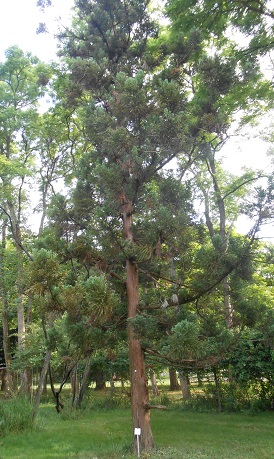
(17, 242)
(190, 298)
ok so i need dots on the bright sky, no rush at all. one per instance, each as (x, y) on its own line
(19, 20)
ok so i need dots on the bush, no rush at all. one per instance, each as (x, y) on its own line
(198, 403)
(99, 400)
(16, 415)
(235, 397)
(117, 400)
(253, 396)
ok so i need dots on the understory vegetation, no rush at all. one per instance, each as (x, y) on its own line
(101, 429)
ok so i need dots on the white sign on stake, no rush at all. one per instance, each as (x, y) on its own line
(137, 433)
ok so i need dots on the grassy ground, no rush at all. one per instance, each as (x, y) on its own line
(106, 433)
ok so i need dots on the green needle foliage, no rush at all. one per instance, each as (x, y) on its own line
(140, 112)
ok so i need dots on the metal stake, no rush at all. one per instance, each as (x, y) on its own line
(137, 433)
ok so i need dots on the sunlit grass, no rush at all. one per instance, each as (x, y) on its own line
(106, 433)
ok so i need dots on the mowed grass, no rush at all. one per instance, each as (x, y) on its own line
(107, 433)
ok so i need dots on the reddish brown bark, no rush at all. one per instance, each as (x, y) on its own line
(138, 376)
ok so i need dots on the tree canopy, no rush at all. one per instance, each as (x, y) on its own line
(137, 249)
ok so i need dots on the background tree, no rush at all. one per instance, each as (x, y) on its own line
(23, 81)
(141, 104)
(254, 20)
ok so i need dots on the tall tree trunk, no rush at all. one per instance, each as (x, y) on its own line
(8, 386)
(83, 382)
(25, 383)
(218, 389)
(227, 304)
(45, 387)
(100, 381)
(112, 385)
(154, 386)
(7, 348)
(25, 375)
(138, 377)
(4, 381)
(228, 308)
(184, 385)
(173, 380)
(199, 378)
(74, 384)
(41, 381)
(220, 201)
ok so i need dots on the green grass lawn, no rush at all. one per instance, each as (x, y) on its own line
(178, 435)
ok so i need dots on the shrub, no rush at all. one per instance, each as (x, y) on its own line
(235, 397)
(15, 415)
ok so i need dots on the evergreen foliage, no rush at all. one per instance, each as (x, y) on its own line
(138, 248)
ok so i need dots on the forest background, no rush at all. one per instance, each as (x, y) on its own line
(138, 266)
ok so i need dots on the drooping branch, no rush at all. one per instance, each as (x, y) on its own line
(14, 233)
(185, 299)
(189, 364)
